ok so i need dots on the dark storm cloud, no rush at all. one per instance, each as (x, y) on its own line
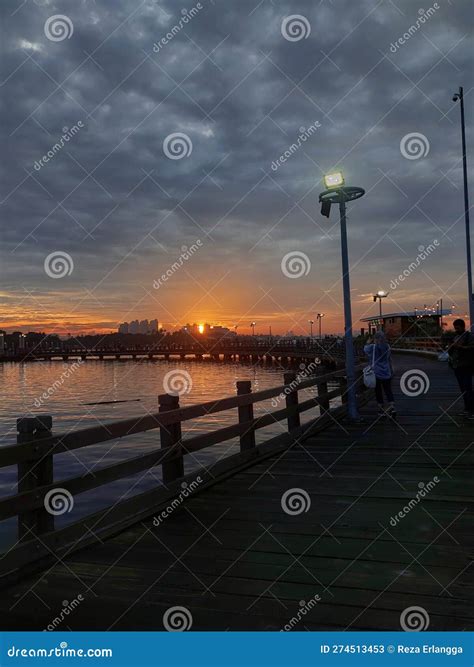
(242, 92)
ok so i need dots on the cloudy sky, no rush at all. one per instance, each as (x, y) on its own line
(87, 233)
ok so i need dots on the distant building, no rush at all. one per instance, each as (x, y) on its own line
(142, 327)
(407, 324)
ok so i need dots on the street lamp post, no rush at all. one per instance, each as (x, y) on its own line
(380, 295)
(460, 96)
(252, 324)
(320, 317)
(338, 193)
(311, 322)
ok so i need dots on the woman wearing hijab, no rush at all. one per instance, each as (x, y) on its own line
(379, 355)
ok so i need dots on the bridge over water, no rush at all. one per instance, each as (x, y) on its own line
(331, 525)
(327, 351)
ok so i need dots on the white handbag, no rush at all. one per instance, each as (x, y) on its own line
(369, 375)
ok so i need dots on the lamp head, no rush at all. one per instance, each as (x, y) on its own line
(334, 180)
(381, 293)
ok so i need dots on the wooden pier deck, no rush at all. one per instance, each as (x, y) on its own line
(231, 558)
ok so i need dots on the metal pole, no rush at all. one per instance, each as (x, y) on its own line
(466, 211)
(350, 365)
(320, 336)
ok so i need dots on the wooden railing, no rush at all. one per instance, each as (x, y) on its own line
(434, 344)
(33, 505)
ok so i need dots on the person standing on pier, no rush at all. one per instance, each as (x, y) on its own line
(461, 360)
(379, 354)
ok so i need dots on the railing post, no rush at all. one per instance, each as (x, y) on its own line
(247, 439)
(170, 435)
(291, 401)
(33, 474)
(343, 387)
(324, 402)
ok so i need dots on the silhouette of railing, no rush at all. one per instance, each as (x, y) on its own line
(37, 445)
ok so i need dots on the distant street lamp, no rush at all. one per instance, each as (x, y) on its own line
(319, 317)
(380, 295)
(311, 322)
(460, 96)
(253, 325)
(338, 193)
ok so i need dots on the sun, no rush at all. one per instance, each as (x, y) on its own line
(201, 328)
